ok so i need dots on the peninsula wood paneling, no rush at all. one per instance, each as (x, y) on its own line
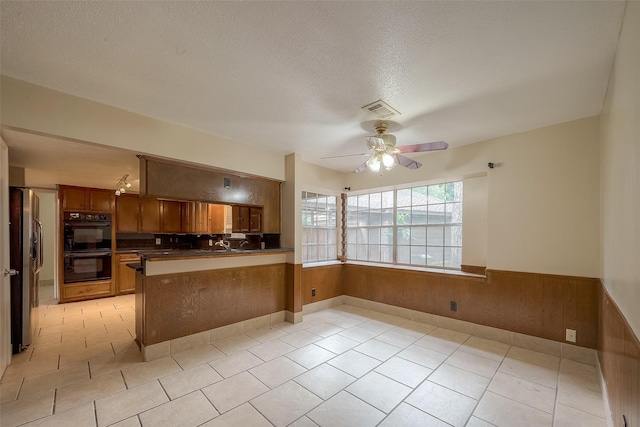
(541, 305)
(178, 181)
(619, 353)
(177, 305)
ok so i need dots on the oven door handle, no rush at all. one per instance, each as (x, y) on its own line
(87, 254)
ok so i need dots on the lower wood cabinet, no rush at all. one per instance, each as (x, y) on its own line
(125, 277)
(81, 291)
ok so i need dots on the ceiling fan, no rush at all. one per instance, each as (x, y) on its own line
(384, 153)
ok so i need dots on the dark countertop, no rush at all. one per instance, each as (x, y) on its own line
(192, 253)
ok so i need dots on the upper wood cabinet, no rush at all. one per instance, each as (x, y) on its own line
(171, 216)
(195, 217)
(246, 219)
(150, 214)
(86, 199)
(216, 218)
(127, 213)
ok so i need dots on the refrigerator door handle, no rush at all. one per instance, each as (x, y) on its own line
(39, 247)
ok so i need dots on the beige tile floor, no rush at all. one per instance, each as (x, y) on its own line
(344, 366)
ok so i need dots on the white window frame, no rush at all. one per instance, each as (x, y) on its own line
(319, 227)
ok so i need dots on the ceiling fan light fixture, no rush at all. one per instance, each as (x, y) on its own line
(388, 161)
(374, 164)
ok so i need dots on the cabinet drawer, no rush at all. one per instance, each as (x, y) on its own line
(86, 290)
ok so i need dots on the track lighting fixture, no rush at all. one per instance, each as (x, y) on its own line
(122, 185)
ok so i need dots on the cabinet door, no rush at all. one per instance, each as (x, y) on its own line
(216, 219)
(150, 210)
(127, 213)
(255, 220)
(171, 216)
(73, 199)
(126, 278)
(187, 217)
(241, 218)
(202, 218)
(101, 200)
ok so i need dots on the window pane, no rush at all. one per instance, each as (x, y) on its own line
(332, 252)
(418, 255)
(437, 193)
(374, 236)
(363, 236)
(374, 253)
(331, 237)
(351, 235)
(403, 197)
(363, 201)
(403, 216)
(435, 235)
(453, 235)
(452, 257)
(419, 196)
(404, 236)
(404, 255)
(322, 235)
(363, 217)
(436, 214)
(387, 216)
(434, 256)
(419, 236)
(351, 251)
(312, 253)
(419, 215)
(362, 252)
(386, 236)
(454, 191)
(332, 219)
(374, 217)
(386, 253)
(375, 201)
(352, 218)
(454, 213)
(322, 252)
(387, 199)
(352, 202)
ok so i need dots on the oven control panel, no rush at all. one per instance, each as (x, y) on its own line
(86, 216)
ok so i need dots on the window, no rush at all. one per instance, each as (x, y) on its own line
(319, 227)
(419, 226)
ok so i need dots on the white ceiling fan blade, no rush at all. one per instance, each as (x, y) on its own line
(427, 146)
(407, 162)
(360, 168)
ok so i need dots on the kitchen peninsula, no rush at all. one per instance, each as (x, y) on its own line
(187, 298)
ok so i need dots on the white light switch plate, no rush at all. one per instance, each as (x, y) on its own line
(571, 335)
(158, 241)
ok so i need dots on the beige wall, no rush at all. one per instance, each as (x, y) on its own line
(474, 221)
(16, 176)
(291, 206)
(620, 173)
(542, 208)
(35, 108)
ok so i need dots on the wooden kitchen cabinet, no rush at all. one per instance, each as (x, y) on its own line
(246, 219)
(215, 218)
(125, 277)
(127, 213)
(195, 217)
(171, 216)
(86, 199)
(150, 214)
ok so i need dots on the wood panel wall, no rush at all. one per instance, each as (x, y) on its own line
(619, 353)
(173, 180)
(177, 305)
(541, 305)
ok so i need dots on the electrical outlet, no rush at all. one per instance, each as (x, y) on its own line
(453, 306)
(158, 241)
(313, 292)
(571, 335)
(210, 242)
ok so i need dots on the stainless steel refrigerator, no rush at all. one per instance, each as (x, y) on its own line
(25, 231)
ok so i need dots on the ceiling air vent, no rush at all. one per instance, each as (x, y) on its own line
(381, 109)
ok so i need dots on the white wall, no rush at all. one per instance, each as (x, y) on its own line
(48, 207)
(620, 173)
(38, 109)
(474, 221)
(542, 197)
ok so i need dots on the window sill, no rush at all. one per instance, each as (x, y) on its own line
(321, 263)
(444, 271)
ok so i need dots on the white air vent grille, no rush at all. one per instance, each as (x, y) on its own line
(381, 109)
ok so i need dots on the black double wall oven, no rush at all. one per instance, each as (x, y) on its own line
(87, 246)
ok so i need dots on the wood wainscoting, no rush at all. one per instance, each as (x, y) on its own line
(540, 305)
(619, 353)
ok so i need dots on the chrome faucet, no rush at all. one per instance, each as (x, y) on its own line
(244, 242)
(224, 243)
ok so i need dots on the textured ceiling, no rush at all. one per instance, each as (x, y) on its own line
(292, 76)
